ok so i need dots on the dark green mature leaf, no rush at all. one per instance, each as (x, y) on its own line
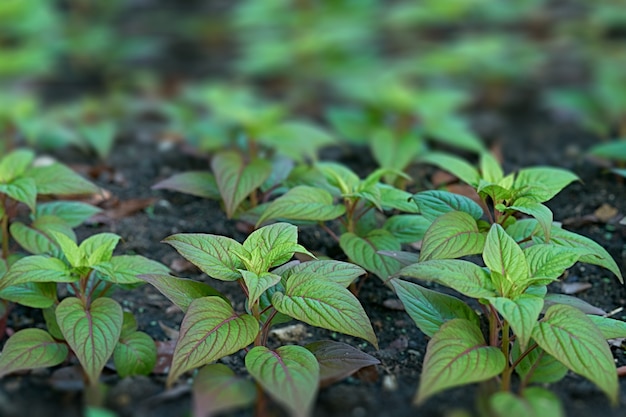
(452, 235)
(431, 309)
(542, 183)
(290, 374)
(343, 273)
(236, 180)
(338, 360)
(591, 252)
(14, 164)
(214, 255)
(73, 213)
(91, 331)
(533, 402)
(319, 302)
(610, 328)
(456, 166)
(434, 203)
(503, 256)
(60, 180)
(198, 183)
(457, 355)
(135, 354)
(31, 294)
(571, 337)
(31, 349)
(465, 277)
(537, 366)
(273, 245)
(124, 269)
(23, 190)
(303, 203)
(364, 251)
(407, 228)
(37, 268)
(210, 330)
(180, 291)
(216, 389)
(522, 313)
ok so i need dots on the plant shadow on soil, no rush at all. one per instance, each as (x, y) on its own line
(383, 390)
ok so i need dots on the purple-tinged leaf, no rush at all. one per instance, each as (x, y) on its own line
(180, 291)
(338, 360)
(216, 389)
(135, 354)
(31, 349)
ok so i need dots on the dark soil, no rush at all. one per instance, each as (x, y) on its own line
(383, 390)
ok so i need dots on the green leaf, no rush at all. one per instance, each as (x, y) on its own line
(236, 180)
(214, 255)
(431, 309)
(179, 291)
(37, 268)
(395, 151)
(364, 251)
(591, 252)
(571, 337)
(303, 203)
(537, 366)
(32, 294)
(210, 330)
(585, 307)
(522, 313)
(325, 304)
(457, 355)
(534, 402)
(273, 245)
(23, 190)
(490, 168)
(392, 198)
(338, 360)
(434, 203)
(14, 164)
(124, 269)
(36, 238)
(407, 228)
(91, 331)
(289, 374)
(258, 284)
(70, 249)
(99, 248)
(504, 257)
(542, 183)
(610, 328)
(217, 389)
(465, 277)
(297, 140)
(614, 150)
(456, 166)
(100, 136)
(537, 210)
(129, 325)
(198, 183)
(549, 262)
(135, 354)
(339, 176)
(60, 180)
(342, 273)
(522, 230)
(31, 349)
(452, 235)
(73, 213)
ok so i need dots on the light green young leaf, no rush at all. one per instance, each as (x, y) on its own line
(135, 354)
(504, 257)
(364, 251)
(14, 164)
(452, 235)
(342, 273)
(124, 269)
(393, 198)
(537, 210)
(91, 331)
(534, 402)
(537, 367)
(236, 180)
(73, 213)
(456, 166)
(258, 284)
(60, 180)
(542, 183)
(215, 255)
(70, 249)
(31, 349)
(522, 313)
(217, 389)
(274, 244)
(434, 203)
(303, 203)
(37, 268)
(179, 291)
(297, 140)
(431, 309)
(407, 228)
(322, 303)
(571, 337)
(289, 374)
(457, 355)
(210, 330)
(610, 328)
(198, 183)
(23, 190)
(463, 276)
(549, 262)
(339, 176)
(490, 168)
(99, 248)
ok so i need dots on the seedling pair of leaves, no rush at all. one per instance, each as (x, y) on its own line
(534, 334)
(88, 323)
(276, 291)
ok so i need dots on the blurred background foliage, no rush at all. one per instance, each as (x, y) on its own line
(71, 70)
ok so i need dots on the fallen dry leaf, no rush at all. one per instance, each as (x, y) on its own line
(123, 209)
(605, 213)
(574, 287)
(165, 352)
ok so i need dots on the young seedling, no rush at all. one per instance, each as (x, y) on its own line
(88, 323)
(276, 291)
